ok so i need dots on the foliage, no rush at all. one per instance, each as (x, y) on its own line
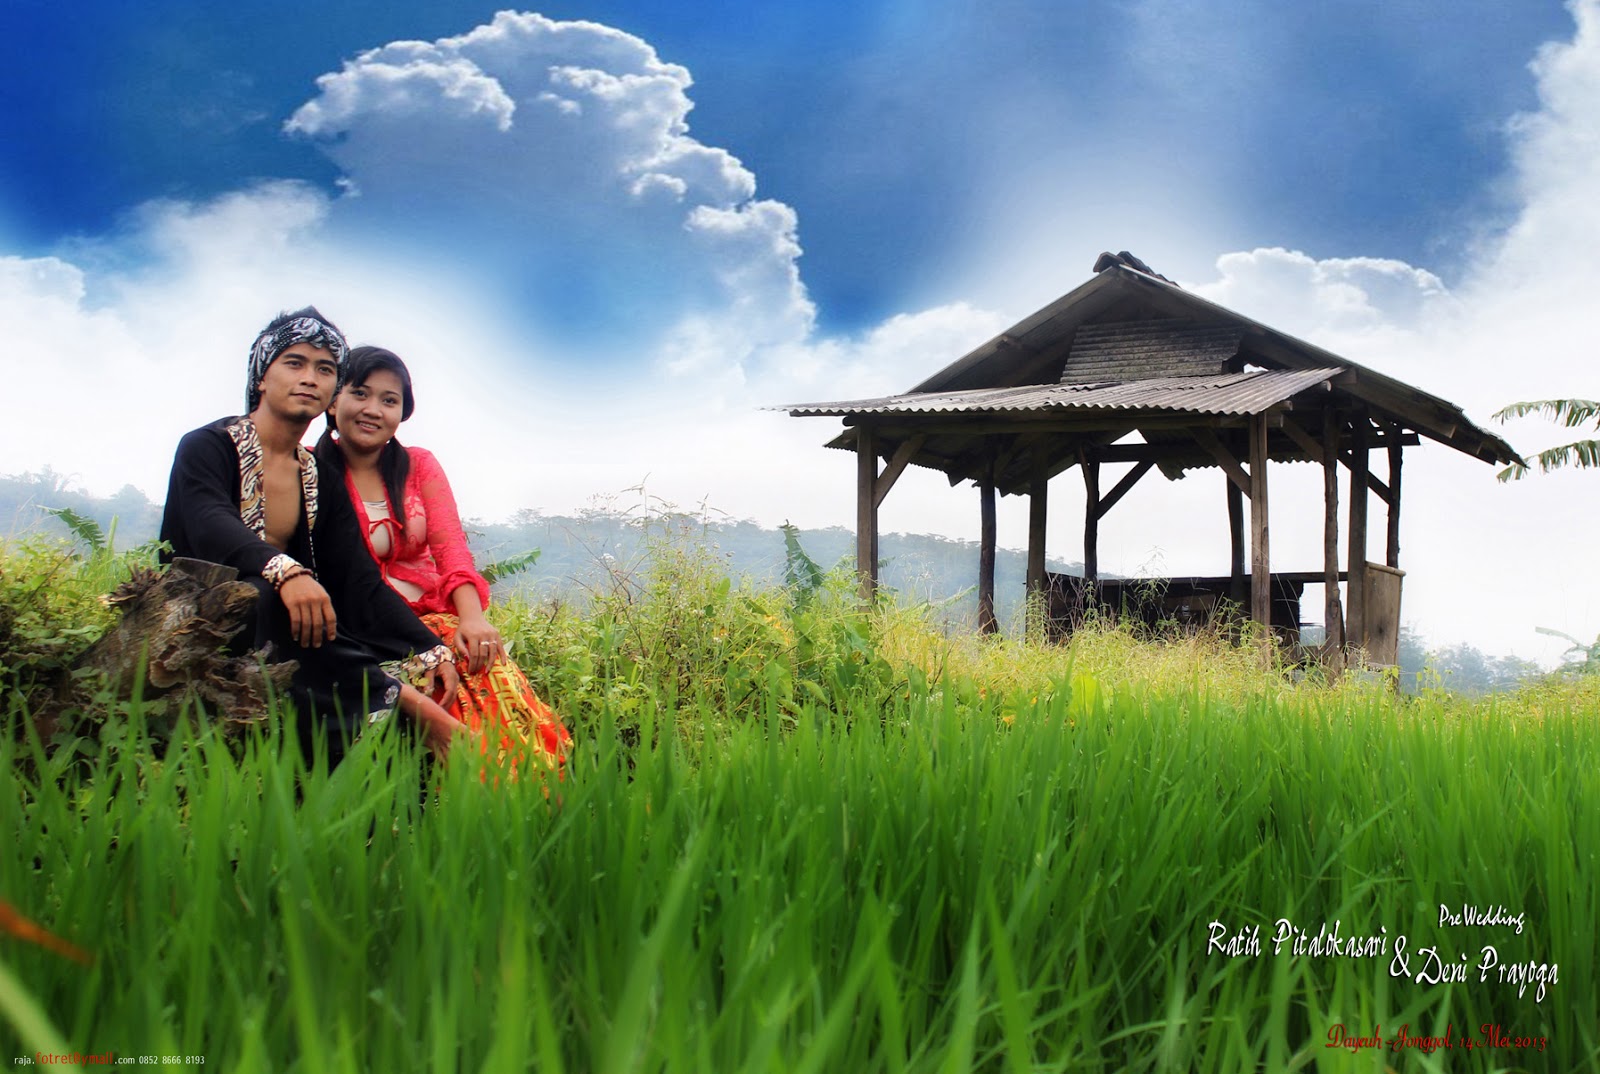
(50, 610)
(51, 599)
(670, 623)
(83, 528)
(1583, 658)
(507, 566)
(802, 574)
(1571, 413)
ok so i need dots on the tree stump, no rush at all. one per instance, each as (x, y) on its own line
(173, 634)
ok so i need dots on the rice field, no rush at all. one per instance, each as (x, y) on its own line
(966, 862)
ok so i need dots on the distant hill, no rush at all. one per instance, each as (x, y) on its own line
(919, 567)
(574, 548)
(24, 497)
(577, 552)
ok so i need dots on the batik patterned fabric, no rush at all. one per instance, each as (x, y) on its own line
(252, 498)
(269, 345)
(500, 706)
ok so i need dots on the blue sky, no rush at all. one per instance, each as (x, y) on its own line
(605, 234)
(1354, 128)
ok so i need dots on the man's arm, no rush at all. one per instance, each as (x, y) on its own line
(205, 479)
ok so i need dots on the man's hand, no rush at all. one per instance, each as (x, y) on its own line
(443, 682)
(311, 618)
(438, 727)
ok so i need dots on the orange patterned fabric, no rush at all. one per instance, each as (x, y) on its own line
(500, 706)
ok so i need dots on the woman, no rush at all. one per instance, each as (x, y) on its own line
(406, 508)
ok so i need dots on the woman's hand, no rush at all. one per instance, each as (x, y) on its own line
(479, 642)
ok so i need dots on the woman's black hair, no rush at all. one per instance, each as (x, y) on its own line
(394, 463)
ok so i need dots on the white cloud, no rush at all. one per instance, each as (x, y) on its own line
(546, 152)
(555, 159)
(1556, 150)
(1348, 297)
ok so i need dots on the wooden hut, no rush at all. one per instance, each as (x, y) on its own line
(1130, 352)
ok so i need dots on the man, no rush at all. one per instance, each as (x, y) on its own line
(244, 493)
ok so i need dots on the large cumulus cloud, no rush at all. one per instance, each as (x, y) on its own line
(554, 160)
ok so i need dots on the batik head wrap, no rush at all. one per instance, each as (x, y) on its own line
(287, 329)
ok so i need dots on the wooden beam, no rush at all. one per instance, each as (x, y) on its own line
(897, 465)
(1013, 466)
(1314, 449)
(1130, 479)
(1392, 556)
(1332, 611)
(1235, 542)
(992, 455)
(867, 514)
(1169, 452)
(1038, 577)
(1260, 558)
(1004, 457)
(1230, 465)
(1304, 440)
(1091, 521)
(1371, 479)
(1356, 619)
(986, 548)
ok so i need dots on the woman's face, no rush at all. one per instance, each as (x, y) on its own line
(367, 414)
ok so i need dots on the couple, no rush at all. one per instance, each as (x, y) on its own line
(357, 551)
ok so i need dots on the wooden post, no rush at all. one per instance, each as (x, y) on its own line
(867, 513)
(1393, 556)
(986, 619)
(1333, 612)
(1356, 582)
(1038, 578)
(1260, 559)
(1236, 541)
(1091, 521)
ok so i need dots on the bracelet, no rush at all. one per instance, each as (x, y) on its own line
(280, 568)
(416, 665)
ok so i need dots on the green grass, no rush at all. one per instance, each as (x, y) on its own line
(916, 887)
(795, 838)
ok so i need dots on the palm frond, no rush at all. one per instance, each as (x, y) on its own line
(801, 573)
(83, 528)
(1582, 454)
(1569, 412)
(1515, 472)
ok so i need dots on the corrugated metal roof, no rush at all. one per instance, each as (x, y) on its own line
(1250, 392)
(1122, 291)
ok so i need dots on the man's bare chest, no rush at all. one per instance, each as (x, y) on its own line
(280, 486)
